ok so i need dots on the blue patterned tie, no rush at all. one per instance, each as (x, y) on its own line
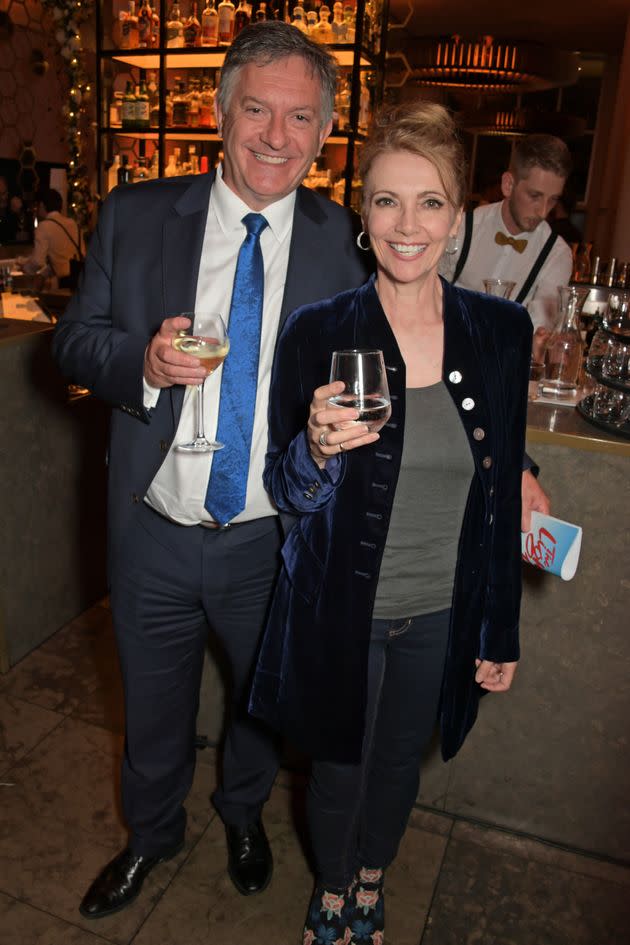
(227, 486)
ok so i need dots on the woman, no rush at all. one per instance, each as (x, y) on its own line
(398, 599)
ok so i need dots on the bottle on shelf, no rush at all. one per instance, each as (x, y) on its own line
(193, 160)
(339, 26)
(175, 28)
(365, 105)
(594, 275)
(342, 103)
(194, 102)
(242, 17)
(154, 100)
(206, 103)
(142, 107)
(299, 19)
(125, 172)
(128, 110)
(192, 29)
(368, 25)
(145, 25)
(261, 12)
(324, 30)
(623, 277)
(129, 28)
(209, 25)
(349, 15)
(115, 110)
(180, 105)
(112, 173)
(226, 14)
(609, 277)
(311, 23)
(142, 172)
(155, 27)
(171, 169)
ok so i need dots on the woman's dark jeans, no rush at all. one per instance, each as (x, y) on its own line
(358, 813)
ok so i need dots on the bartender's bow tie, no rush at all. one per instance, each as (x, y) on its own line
(503, 240)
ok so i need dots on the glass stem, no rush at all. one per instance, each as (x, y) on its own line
(200, 433)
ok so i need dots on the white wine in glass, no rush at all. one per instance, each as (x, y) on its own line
(207, 340)
(363, 373)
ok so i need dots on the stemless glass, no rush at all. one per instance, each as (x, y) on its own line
(500, 287)
(363, 373)
(207, 340)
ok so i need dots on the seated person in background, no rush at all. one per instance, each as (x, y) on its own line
(511, 239)
(21, 218)
(398, 599)
(57, 240)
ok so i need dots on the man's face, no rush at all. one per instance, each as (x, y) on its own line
(272, 131)
(530, 199)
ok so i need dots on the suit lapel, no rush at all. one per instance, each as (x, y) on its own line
(308, 245)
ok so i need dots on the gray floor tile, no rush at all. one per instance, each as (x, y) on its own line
(22, 726)
(489, 894)
(22, 924)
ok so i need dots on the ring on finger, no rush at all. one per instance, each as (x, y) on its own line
(341, 447)
(322, 438)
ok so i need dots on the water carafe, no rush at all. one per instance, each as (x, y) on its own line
(565, 347)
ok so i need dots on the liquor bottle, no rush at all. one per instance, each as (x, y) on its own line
(368, 25)
(142, 106)
(365, 105)
(299, 19)
(145, 23)
(154, 100)
(155, 28)
(128, 111)
(194, 102)
(311, 23)
(583, 263)
(125, 173)
(349, 15)
(130, 27)
(193, 159)
(324, 31)
(120, 36)
(342, 104)
(180, 105)
(609, 278)
(210, 25)
(261, 12)
(115, 110)
(175, 28)
(112, 173)
(595, 275)
(206, 104)
(623, 279)
(171, 167)
(241, 17)
(192, 29)
(226, 14)
(142, 172)
(339, 27)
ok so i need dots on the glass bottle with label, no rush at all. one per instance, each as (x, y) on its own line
(194, 102)
(299, 19)
(226, 13)
(241, 17)
(193, 159)
(130, 28)
(142, 172)
(145, 23)
(365, 105)
(342, 103)
(180, 105)
(192, 29)
(206, 104)
(142, 107)
(128, 116)
(324, 31)
(311, 23)
(339, 27)
(349, 16)
(154, 100)
(175, 28)
(125, 172)
(210, 25)
(171, 167)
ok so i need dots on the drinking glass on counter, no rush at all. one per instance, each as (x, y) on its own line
(207, 340)
(502, 288)
(363, 373)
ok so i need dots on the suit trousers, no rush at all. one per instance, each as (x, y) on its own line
(170, 586)
(357, 814)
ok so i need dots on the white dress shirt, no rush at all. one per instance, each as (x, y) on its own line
(488, 260)
(54, 245)
(178, 490)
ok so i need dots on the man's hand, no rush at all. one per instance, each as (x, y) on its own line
(163, 365)
(533, 499)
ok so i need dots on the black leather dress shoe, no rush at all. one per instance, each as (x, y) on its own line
(250, 863)
(119, 883)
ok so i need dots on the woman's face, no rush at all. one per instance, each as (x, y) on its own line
(407, 216)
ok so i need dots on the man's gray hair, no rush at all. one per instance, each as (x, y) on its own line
(269, 41)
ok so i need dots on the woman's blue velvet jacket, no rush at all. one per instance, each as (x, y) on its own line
(310, 682)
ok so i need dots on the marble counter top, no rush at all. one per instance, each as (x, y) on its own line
(563, 426)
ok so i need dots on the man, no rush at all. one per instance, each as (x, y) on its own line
(57, 240)
(179, 562)
(511, 239)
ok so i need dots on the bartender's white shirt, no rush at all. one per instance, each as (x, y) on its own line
(179, 488)
(488, 260)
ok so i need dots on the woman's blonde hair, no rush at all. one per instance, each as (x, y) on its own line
(425, 129)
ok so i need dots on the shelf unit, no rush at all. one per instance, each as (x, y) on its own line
(116, 66)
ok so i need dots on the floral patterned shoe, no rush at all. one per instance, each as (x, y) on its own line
(327, 919)
(367, 917)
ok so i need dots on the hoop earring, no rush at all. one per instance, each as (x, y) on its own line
(359, 243)
(452, 246)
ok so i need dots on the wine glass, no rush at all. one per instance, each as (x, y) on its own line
(363, 373)
(500, 287)
(207, 340)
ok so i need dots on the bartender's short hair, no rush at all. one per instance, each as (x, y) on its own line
(544, 151)
(51, 199)
(267, 42)
(427, 130)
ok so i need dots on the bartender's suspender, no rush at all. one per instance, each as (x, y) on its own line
(531, 278)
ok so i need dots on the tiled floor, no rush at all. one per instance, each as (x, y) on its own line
(453, 883)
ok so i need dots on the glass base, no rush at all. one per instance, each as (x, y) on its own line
(556, 388)
(200, 445)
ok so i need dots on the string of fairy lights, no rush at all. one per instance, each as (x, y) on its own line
(68, 15)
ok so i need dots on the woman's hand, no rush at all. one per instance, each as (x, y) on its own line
(333, 430)
(495, 677)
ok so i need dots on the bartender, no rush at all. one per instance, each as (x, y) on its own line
(511, 239)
